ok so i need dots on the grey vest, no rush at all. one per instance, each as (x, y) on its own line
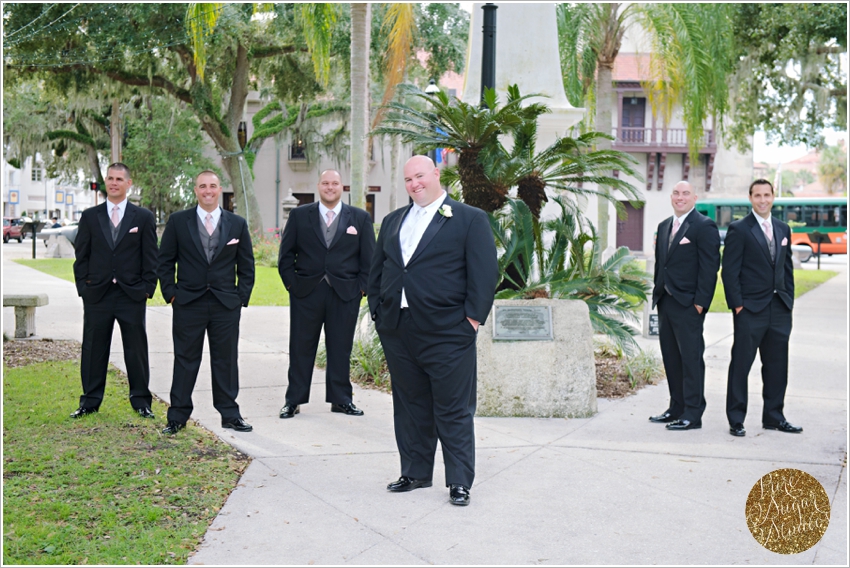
(115, 230)
(209, 242)
(330, 230)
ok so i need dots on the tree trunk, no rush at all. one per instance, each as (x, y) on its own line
(115, 131)
(478, 191)
(244, 199)
(361, 25)
(605, 102)
(395, 163)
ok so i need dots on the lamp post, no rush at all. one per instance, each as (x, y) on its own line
(432, 88)
(488, 55)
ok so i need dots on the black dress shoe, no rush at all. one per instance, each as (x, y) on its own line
(349, 409)
(663, 417)
(173, 427)
(737, 429)
(458, 495)
(405, 483)
(784, 426)
(237, 424)
(80, 412)
(145, 412)
(289, 410)
(684, 425)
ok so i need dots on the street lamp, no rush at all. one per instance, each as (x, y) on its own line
(432, 88)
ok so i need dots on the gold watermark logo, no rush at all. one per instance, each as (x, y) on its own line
(787, 511)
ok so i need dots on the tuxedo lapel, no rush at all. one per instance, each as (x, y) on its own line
(224, 230)
(758, 233)
(664, 238)
(681, 232)
(192, 226)
(126, 223)
(433, 228)
(105, 225)
(342, 226)
(395, 236)
(316, 221)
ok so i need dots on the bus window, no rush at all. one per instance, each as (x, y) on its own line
(832, 215)
(842, 218)
(739, 212)
(794, 214)
(724, 216)
(812, 215)
(778, 211)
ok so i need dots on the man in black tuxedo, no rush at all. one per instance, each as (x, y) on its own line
(210, 248)
(115, 272)
(433, 278)
(324, 259)
(687, 258)
(758, 277)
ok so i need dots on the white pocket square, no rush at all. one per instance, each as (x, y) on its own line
(351, 231)
(684, 241)
(784, 241)
(232, 241)
(134, 230)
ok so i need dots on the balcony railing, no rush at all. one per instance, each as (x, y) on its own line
(659, 139)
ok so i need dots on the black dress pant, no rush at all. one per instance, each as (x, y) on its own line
(322, 306)
(433, 377)
(190, 323)
(682, 345)
(766, 331)
(98, 322)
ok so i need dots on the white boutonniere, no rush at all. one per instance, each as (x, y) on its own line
(446, 211)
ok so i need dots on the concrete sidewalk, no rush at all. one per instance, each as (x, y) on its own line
(611, 489)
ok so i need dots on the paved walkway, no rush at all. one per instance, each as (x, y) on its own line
(611, 489)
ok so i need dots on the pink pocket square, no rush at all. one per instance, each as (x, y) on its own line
(134, 230)
(232, 241)
(784, 241)
(684, 241)
(351, 231)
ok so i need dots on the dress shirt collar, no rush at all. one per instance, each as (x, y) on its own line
(216, 215)
(122, 208)
(323, 211)
(431, 208)
(683, 217)
(760, 220)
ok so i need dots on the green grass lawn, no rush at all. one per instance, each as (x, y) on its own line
(268, 289)
(804, 281)
(108, 488)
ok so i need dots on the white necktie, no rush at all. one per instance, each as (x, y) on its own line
(768, 232)
(115, 219)
(208, 224)
(330, 215)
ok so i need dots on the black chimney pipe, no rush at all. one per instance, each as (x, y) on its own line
(488, 56)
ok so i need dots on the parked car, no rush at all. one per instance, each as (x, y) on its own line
(12, 229)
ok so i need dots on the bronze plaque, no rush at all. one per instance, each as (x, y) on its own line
(518, 323)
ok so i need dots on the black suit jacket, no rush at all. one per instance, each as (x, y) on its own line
(750, 276)
(131, 260)
(234, 257)
(452, 274)
(689, 269)
(304, 259)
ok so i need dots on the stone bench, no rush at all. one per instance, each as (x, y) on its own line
(25, 305)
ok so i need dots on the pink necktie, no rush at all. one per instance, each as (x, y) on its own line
(115, 219)
(208, 224)
(675, 228)
(330, 215)
(768, 232)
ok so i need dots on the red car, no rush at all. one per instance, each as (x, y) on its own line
(12, 229)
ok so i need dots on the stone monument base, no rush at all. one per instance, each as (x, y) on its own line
(539, 378)
(58, 246)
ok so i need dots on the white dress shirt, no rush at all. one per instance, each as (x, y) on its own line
(413, 228)
(216, 215)
(122, 207)
(760, 220)
(323, 211)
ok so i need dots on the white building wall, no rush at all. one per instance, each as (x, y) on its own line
(33, 195)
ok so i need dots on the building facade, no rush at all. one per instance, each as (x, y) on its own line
(28, 192)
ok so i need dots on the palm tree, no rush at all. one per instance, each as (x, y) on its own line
(468, 129)
(689, 63)
(567, 268)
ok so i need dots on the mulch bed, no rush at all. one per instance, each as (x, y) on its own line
(27, 352)
(612, 379)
